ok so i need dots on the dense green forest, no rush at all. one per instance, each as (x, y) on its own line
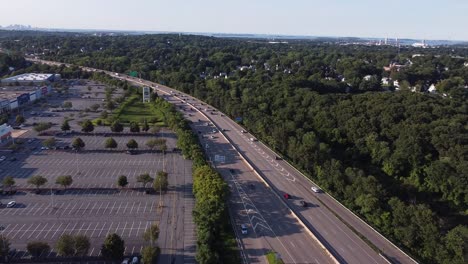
(397, 158)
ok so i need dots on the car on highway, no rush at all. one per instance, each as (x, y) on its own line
(286, 196)
(244, 229)
(11, 204)
(315, 189)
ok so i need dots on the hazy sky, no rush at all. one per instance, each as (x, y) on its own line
(422, 19)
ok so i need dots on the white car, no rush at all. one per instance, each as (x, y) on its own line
(2, 158)
(243, 131)
(315, 189)
(244, 229)
(11, 204)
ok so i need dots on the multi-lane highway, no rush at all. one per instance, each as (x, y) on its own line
(258, 182)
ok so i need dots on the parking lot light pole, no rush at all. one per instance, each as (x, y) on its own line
(160, 189)
(51, 198)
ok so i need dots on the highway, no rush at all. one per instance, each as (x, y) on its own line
(319, 218)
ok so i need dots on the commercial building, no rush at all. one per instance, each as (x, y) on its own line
(5, 133)
(14, 97)
(31, 78)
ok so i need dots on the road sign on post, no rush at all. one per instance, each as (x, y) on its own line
(146, 94)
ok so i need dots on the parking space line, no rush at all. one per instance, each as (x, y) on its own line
(80, 229)
(131, 209)
(109, 229)
(85, 210)
(31, 233)
(97, 213)
(41, 230)
(130, 232)
(93, 207)
(87, 229)
(59, 229)
(117, 229)
(71, 210)
(50, 229)
(56, 229)
(102, 229)
(105, 208)
(14, 228)
(73, 228)
(94, 230)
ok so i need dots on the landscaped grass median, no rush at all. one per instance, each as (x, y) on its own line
(216, 242)
(134, 110)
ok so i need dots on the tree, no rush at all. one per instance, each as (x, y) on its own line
(145, 127)
(134, 127)
(110, 143)
(152, 233)
(161, 183)
(8, 182)
(64, 180)
(110, 105)
(104, 115)
(122, 181)
(65, 245)
(65, 126)
(37, 181)
(87, 126)
(38, 248)
(132, 144)
(49, 143)
(155, 129)
(42, 127)
(149, 254)
(144, 178)
(116, 126)
(113, 247)
(95, 107)
(67, 105)
(78, 143)
(151, 143)
(82, 245)
(19, 119)
(4, 247)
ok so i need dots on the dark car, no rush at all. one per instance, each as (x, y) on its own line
(277, 158)
(303, 203)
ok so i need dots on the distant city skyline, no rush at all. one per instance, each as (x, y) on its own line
(416, 19)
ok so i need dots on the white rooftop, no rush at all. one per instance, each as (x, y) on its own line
(30, 77)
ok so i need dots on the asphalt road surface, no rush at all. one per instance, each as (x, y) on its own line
(344, 244)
